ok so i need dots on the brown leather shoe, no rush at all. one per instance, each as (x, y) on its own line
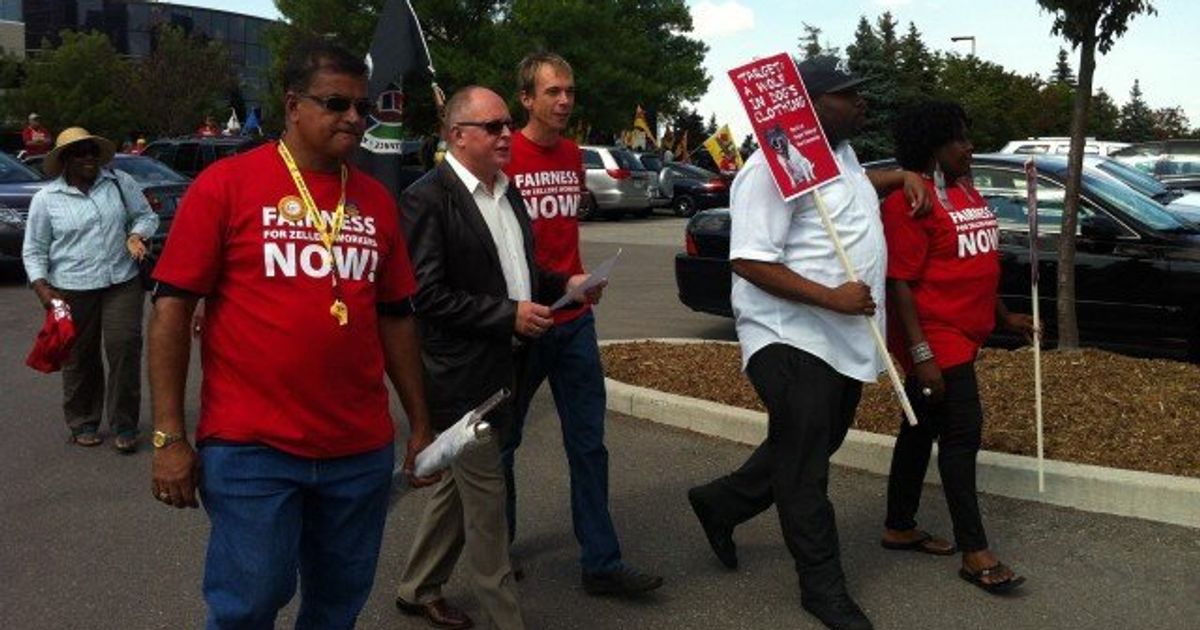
(438, 613)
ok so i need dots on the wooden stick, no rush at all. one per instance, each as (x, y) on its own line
(880, 345)
(1037, 382)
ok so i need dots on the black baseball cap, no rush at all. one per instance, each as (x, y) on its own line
(825, 74)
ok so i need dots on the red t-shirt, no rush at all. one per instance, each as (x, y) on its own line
(950, 260)
(278, 369)
(551, 183)
(36, 139)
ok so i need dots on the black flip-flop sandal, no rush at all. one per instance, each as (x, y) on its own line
(995, 588)
(920, 545)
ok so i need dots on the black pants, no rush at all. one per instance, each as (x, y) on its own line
(111, 319)
(810, 407)
(957, 424)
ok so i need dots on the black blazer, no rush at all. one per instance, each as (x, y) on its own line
(462, 301)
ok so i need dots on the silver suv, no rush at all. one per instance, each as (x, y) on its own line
(617, 183)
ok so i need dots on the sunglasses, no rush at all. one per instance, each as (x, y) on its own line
(341, 104)
(493, 127)
(87, 149)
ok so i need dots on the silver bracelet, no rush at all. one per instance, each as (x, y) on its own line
(921, 352)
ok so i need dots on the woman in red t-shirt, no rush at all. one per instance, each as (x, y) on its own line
(942, 302)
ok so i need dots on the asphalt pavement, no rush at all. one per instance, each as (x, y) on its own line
(83, 544)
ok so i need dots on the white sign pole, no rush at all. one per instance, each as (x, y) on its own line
(1037, 381)
(880, 345)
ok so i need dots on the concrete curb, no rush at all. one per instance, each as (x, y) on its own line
(1156, 497)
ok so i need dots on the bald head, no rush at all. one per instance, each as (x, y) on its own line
(478, 129)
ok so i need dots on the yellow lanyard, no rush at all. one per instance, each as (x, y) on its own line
(327, 230)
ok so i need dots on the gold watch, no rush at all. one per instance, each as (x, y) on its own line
(162, 439)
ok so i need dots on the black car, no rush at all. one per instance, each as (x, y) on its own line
(1137, 267)
(18, 183)
(691, 188)
(191, 154)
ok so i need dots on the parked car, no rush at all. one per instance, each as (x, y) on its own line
(691, 188)
(18, 183)
(164, 188)
(653, 163)
(191, 154)
(1183, 204)
(1175, 162)
(617, 183)
(1061, 146)
(1137, 266)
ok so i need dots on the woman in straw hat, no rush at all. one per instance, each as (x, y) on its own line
(86, 231)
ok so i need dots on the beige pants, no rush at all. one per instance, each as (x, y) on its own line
(466, 510)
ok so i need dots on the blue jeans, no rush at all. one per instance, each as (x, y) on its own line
(276, 517)
(569, 357)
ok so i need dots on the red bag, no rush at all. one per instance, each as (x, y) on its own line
(54, 340)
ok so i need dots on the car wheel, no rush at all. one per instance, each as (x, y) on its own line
(684, 206)
(1194, 346)
(587, 209)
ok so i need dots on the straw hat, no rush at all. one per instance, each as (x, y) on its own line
(53, 166)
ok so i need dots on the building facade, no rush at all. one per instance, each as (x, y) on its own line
(130, 26)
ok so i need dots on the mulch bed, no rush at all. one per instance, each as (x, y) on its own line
(1098, 407)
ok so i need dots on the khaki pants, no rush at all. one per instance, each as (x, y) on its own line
(466, 511)
(112, 318)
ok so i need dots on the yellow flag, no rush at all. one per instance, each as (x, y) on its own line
(640, 124)
(724, 152)
(681, 150)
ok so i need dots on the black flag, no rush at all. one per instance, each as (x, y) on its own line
(389, 152)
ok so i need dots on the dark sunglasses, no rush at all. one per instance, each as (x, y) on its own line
(87, 149)
(340, 104)
(493, 127)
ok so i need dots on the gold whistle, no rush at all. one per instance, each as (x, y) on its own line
(340, 312)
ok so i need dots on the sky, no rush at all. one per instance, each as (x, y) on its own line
(1158, 50)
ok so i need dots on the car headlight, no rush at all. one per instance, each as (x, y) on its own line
(11, 217)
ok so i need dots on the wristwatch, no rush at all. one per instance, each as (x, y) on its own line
(162, 439)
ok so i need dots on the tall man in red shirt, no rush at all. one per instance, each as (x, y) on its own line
(548, 170)
(305, 272)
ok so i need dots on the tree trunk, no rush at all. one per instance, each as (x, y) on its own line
(1068, 327)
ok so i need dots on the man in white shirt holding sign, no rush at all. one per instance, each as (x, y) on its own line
(806, 345)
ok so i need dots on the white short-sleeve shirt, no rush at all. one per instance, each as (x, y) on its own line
(766, 228)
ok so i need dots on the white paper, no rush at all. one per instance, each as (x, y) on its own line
(598, 275)
(469, 431)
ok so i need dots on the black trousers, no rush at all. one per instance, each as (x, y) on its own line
(810, 407)
(111, 319)
(957, 424)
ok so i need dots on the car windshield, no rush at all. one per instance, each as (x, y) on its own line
(1138, 206)
(626, 160)
(14, 172)
(1134, 178)
(148, 171)
(651, 162)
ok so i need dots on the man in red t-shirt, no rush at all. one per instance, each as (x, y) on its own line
(36, 137)
(548, 170)
(307, 280)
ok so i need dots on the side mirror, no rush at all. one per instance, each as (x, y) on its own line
(1100, 227)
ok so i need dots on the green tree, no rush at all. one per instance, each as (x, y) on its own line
(83, 82)
(1103, 116)
(1136, 122)
(711, 127)
(916, 67)
(810, 43)
(868, 59)
(1002, 105)
(1170, 122)
(167, 101)
(1062, 70)
(749, 146)
(1088, 25)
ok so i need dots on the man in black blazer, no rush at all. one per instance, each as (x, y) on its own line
(480, 298)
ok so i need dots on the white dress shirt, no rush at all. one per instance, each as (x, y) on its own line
(766, 228)
(502, 223)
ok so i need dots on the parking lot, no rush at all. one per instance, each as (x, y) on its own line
(83, 545)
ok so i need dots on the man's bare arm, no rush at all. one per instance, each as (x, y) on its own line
(402, 358)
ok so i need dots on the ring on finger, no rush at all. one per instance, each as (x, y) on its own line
(927, 392)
